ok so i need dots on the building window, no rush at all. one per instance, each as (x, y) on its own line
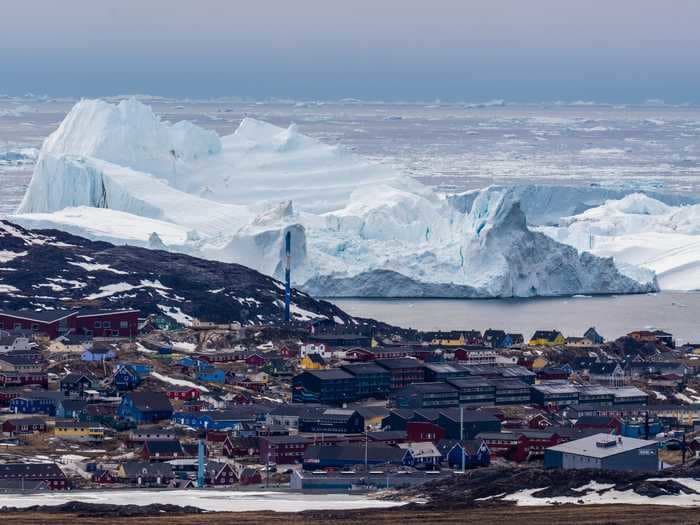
(124, 324)
(98, 324)
(107, 324)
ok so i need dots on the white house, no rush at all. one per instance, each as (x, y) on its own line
(13, 343)
(319, 349)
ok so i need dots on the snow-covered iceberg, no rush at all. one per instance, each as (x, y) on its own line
(640, 232)
(119, 173)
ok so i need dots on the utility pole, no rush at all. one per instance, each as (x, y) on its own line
(366, 440)
(461, 436)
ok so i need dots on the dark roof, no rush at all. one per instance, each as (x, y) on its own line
(150, 401)
(509, 384)
(42, 316)
(281, 440)
(298, 410)
(134, 469)
(471, 446)
(595, 420)
(436, 387)
(471, 416)
(166, 447)
(31, 471)
(29, 421)
(603, 368)
(316, 358)
(471, 382)
(330, 374)
(89, 312)
(22, 358)
(387, 435)
(74, 405)
(548, 335)
(76, 339)
(399, 362)
(42, 394)
(372, 411)
(75, 377)
(356, 453)
(364, 369)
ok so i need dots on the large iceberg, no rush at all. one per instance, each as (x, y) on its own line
(121, 174)
(640, 232)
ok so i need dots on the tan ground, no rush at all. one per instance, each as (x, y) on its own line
(565, 514)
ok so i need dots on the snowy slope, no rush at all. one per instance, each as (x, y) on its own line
(107, 167)
(641, 231)
(53, 270)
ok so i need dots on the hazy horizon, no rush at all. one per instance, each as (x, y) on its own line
(622, 52)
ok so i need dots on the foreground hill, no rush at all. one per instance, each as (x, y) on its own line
(51, 269)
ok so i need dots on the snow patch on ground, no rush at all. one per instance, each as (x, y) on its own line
(209, 500)
(609, 496)
(95, 267)
(177, 314)
(7, 256)
(178, 382)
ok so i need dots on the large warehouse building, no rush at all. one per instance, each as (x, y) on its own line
(605, 451)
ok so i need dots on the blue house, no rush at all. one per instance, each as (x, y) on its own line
(212, 375)
(141, 368)
(638, 428)
(192, 362)
(216, 420)
(476, 453)
(71, 409)
(126, 377)
(145, 407)
(36, 402)
(97, 355)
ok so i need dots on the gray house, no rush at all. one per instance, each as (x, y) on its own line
(606, 452)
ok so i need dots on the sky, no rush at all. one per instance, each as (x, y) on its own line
(460, 50)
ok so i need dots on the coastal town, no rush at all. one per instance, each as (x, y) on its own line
(99, 399)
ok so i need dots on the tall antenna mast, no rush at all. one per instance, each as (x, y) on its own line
(287, 275)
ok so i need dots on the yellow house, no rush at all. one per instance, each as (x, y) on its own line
(78, 431)
(547, 338)
(539, 362)
(451, 340)
(312, 362)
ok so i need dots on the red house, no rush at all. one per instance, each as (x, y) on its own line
(94, 322)
(183, 393)
(107, 323)
(283, 450)
(51, 322)
(520, 445)
(255, 359)
(600, 423)
(419, 431)
(288, 352)
(220, 474)
(10, 379)
(220, 357)
(235, 447)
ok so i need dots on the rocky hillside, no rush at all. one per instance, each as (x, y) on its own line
(51, 269)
